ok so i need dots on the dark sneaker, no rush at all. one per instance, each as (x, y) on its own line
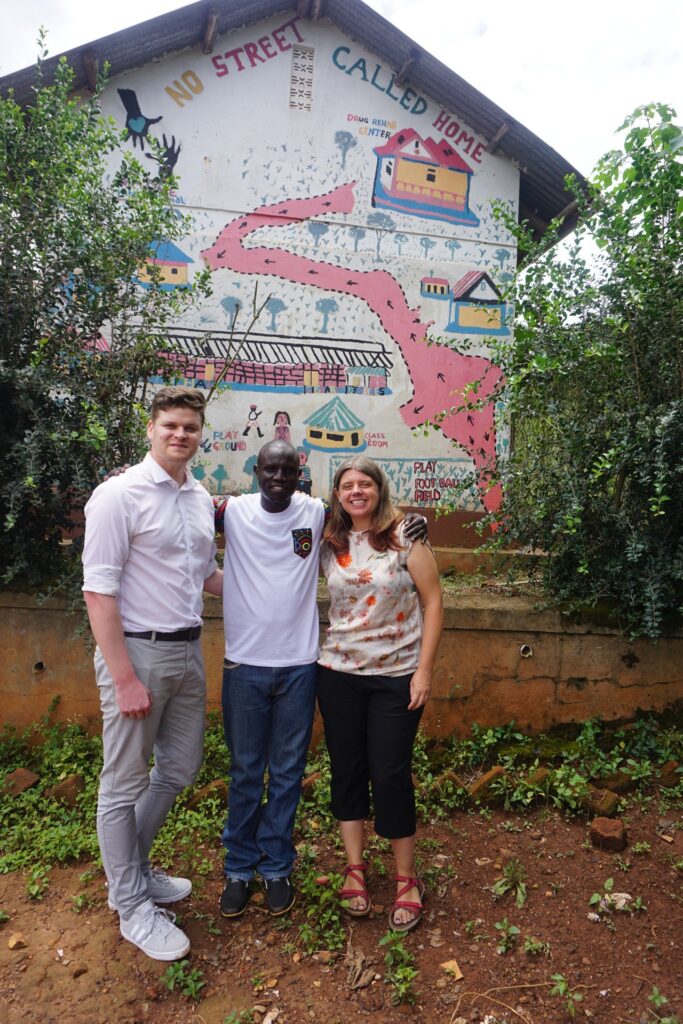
(279, 895)
(234, 897)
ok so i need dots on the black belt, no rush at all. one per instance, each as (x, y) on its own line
(193, 633)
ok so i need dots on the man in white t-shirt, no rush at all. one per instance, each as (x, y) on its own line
(148, 553)
(271, 629)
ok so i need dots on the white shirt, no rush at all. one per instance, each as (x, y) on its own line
(150, 543)
(270, 581)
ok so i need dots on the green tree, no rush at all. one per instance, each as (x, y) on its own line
(79, 338)
(595, 388)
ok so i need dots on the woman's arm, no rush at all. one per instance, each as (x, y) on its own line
(422, 567)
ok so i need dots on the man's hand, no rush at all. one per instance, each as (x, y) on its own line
(133, 698)
(416, 527)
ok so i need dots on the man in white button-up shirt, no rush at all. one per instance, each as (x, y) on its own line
(149, 552)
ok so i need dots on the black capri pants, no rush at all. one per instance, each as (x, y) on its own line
(370, 733)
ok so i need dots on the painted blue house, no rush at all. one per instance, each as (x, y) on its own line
(477, 306)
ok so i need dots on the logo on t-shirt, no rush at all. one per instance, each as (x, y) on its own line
(303, 541)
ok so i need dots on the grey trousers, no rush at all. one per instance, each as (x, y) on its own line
(133, 801)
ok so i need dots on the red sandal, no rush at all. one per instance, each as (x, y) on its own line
(400, 904)
(354, 894)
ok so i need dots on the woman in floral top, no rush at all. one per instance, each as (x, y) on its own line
(375, 675)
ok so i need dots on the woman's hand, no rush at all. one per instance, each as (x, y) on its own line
(420, 688)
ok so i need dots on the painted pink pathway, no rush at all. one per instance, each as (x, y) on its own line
(440, 376)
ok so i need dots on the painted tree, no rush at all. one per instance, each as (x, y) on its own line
(232, 306)
(356, 233)
(274, 306)
(326, 306)
(317, 228)
(427, 243)
(381, 222)
(344, 141)
(79, 339)
(399, 241)
(453, 245)
(502, 256)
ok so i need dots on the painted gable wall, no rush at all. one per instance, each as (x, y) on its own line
(286, 197)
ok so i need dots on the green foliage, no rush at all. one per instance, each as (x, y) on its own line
(535, 947)
(79, 217)
(512, 880)
(185, 979)
(4, 917)
(239, 1017)
(594, 385)
(38, 881)
(323, 927)
(400, 967)
(508, 935)
(562, 989)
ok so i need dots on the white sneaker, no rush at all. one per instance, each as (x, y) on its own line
(152, 930)
(163, 888)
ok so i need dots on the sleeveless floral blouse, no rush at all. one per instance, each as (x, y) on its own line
(375, 614)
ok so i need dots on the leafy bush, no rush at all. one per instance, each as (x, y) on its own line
(78, 337)
(594, 379)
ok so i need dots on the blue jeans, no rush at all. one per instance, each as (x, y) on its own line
(267, 717)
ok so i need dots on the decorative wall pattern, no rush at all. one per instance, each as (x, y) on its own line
(361, 212)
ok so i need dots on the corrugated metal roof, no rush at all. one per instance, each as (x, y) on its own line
(542, 169)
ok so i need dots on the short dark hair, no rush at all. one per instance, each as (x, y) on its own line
(172, 397)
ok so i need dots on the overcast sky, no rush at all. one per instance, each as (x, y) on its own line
(569, 72)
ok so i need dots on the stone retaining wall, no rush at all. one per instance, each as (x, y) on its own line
(500, 659)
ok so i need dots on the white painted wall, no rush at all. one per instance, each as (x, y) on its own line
(242, 146)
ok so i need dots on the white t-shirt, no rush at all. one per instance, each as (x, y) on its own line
(270, 583)
(150, 544)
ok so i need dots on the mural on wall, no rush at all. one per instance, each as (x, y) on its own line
(350, 268)
(423, 178)
(168, 266)
(334, 428)
(266, 362)
(440, 377)
(477, 306)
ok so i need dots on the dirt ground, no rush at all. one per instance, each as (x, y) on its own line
(73, 967)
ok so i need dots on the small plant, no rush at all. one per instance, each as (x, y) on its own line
(507, 935)
(258, 982)
(188, 981)
(472, 928)
(4, 917)
(323, 927)
(623, 863)
(239, 1017)
(640, 849)
(38, 882)
(562, 989)
(659, 1000)
(83, 901)
(401, 972)
(597, 898)
(607, 901)
(512, 880)
(534, 946)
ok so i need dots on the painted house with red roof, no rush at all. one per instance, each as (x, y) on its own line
(424, 178)
(477, 306)
(435, 288)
